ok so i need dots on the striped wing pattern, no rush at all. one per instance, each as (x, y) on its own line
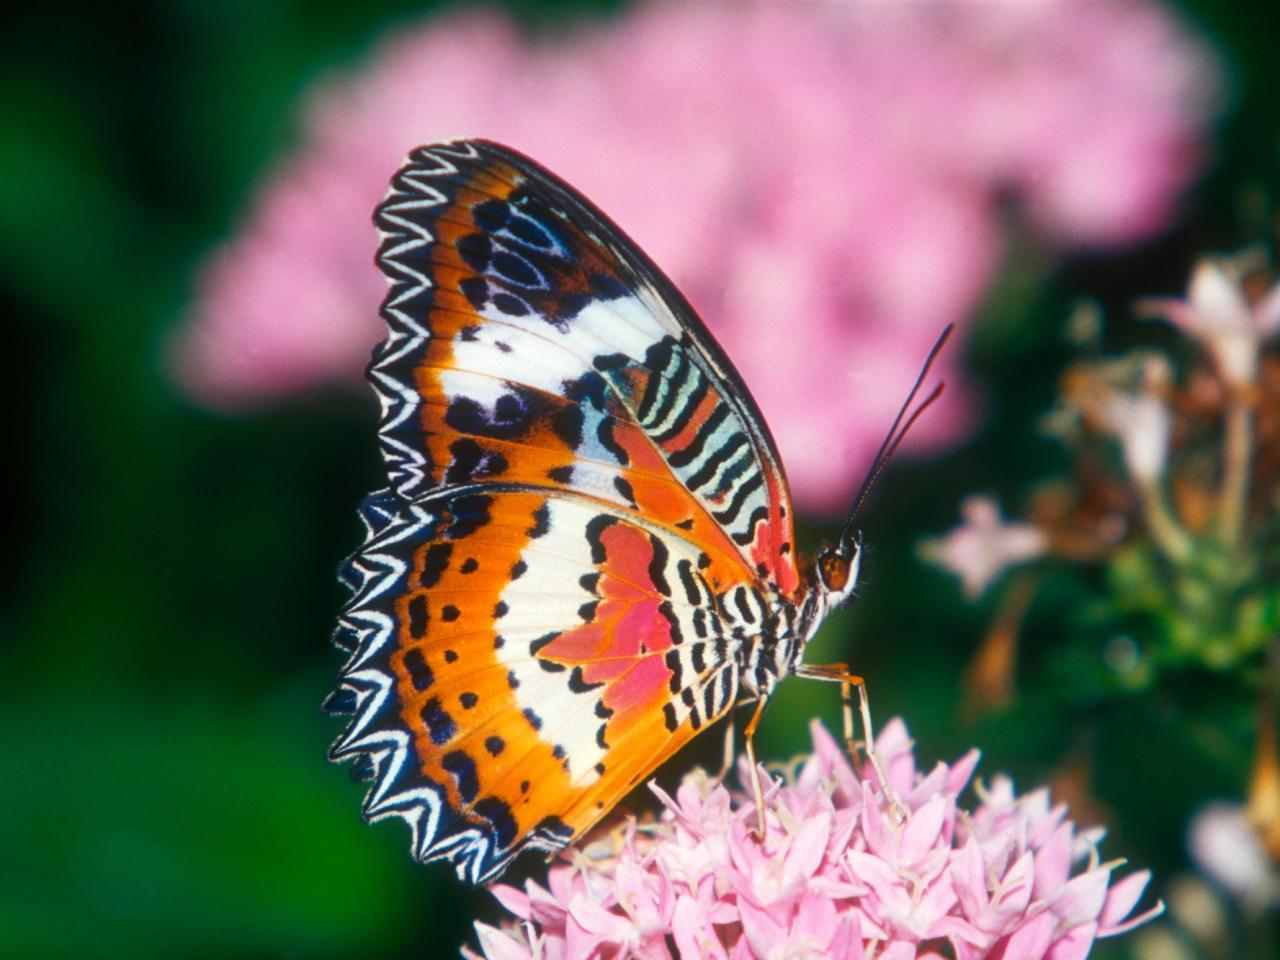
(576, 479)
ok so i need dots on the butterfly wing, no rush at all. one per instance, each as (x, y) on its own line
(532, 342)
(576, 473)
(519, 661)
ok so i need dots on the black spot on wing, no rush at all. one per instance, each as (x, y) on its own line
(475, 250)
(498, 814)
(596, 527)
(420, 674)
(439, 724)
(578, 684)
(470, 512)
(658, 566)
(512, 417)
(434, 563)
(691, 592)
(623, 486)
(463, 768)
(419, 619)
(475, 290)
(669, 716)
(491, 215)
(512, 306)
(567, 425)
(541, 522)
(471, 461)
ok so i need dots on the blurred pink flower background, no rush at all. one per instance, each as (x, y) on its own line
(827, 182)
(835, 875)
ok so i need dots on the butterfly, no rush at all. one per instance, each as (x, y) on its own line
(584, 554)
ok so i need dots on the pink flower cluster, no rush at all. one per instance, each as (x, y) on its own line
(837, 874)
(826, 182)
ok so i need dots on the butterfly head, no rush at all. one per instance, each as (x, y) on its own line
(837, 569)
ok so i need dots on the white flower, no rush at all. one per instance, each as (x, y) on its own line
(1124, 398)
(983, 546)
(1141, 422)
(1225, 846)
(1217, 313)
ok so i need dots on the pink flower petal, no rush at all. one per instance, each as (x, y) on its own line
(1029, 941)
(764, 931)
(693, 933)
(814, 924)
(1133, 922)
(969, 876)
(1082, 897)
(923, 829)
(899, 950)
(1122, 897)
(1053, 860)
(515, 901)
(1016, 886)
(808, 847)
(1075, 944)
(497, 945)
(605, 924)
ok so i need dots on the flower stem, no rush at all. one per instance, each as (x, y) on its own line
(1165, 530)
(989, 684)
(1237, 454)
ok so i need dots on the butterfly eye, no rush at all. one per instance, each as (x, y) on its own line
(834, 570)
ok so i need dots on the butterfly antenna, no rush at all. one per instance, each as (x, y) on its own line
(898, 429)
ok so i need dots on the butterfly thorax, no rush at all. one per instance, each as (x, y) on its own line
(771, 632)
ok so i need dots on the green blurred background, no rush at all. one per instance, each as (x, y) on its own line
(168, 583)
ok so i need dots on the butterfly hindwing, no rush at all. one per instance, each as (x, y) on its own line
(531, 342)
(521, 660)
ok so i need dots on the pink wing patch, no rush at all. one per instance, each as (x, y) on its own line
(624, 644)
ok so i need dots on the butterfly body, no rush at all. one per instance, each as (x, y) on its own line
(584, 554)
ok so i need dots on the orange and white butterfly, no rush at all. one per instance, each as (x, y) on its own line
(585, 553)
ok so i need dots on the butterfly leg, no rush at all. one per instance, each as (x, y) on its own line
(748, 735)
(839, 673)
(726, 761)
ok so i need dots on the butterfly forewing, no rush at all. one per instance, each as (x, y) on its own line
(576, 474)
(533, 342)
